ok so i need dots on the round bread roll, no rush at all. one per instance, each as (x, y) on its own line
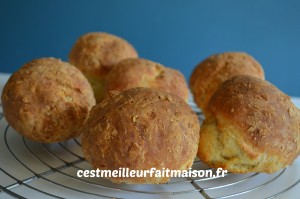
(47, 100)
(95, 53)
(250, 126)
(135, 72)
(213, 71)
(139, 129)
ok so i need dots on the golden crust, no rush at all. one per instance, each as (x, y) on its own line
(47, 100)
(250, 126)
(141, 128)
(95, 53)
(210, 73)
(135, 72)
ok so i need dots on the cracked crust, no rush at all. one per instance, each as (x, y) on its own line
(135, 72)
(250, 126)
(95, 53)
(210, 73)
(47, 100)
(141, 128)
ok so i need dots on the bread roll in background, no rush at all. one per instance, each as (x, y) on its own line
(250, 126)
(213, 71)
(141, 128)
(47, 100)
(95, 53)
(135, 72)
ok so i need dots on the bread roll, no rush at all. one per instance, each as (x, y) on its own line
(250, 126)
(210, 73)
(95, 53)
(141, 128)
(47, 100)
(135, 72)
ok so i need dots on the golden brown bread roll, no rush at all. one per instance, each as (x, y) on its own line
(135, 72)
(250, 126)
(210, 73)
(141, 128)
(47, 100)
(95, 53)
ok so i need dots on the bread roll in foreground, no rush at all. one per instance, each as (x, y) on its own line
(213, 71)
(47, 100)
(139, 129)
(135, 72)
(250, 126)
(95, 53)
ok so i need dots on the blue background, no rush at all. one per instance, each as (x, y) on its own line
(178, 34)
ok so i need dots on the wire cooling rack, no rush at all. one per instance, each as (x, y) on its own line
(35, 170)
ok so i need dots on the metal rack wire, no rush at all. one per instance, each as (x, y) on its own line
(34, 170)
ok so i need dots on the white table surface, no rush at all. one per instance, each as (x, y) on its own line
(16, 142)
